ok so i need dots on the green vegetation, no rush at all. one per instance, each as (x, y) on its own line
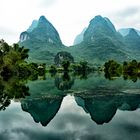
(112, 69)
(12, 88)
(64, 81)
(62, 56)
(13, 62)
(129, 70)
(65, 65)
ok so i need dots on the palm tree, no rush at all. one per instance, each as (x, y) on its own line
(23, 51)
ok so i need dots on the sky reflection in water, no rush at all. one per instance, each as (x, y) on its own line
(70, 123)
(65, 117)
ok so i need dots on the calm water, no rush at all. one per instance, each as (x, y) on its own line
(72, 108)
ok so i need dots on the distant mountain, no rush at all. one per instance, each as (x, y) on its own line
(125, 31)
(42, 39)
(97, 43)
(79, 38)
(90, 32)
(33, 26)
(99, 27)
(133, 39)
(101, 42)
(41, 31)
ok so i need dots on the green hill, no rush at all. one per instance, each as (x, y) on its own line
(99, 42)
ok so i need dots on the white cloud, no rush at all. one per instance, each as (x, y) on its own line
(46, 3)
(68, 16)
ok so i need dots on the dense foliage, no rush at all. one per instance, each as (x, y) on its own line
(13, 62)
(129, 70)
(63, 56)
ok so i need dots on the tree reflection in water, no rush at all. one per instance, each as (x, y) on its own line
(13, 88)
(64, 81)
(101, 104)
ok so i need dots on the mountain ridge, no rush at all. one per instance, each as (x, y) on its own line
(100, 42)
(41, 31)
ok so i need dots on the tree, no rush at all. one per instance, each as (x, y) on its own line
(52, 69)
(21, 50)
(63, 56)
(131, 68)
(112, 69)
(83, 65)
(65, 65)
(64, 82)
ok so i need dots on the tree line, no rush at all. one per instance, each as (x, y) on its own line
(129, 70)
(14, 61)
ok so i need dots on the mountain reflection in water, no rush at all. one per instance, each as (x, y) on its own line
(66, 101)
(101, 108)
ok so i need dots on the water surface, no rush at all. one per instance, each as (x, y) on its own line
(72, 108)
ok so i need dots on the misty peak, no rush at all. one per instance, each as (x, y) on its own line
(132, 31)
(42, 18)
(97, 18)
(32, 26)
(102, 21)
(125, 31)
(42, 31)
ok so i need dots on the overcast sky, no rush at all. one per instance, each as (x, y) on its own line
(69, 17)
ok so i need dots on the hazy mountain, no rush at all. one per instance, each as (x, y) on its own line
(42, 39)
(133, 39)
(94, 23)
(32, 26)
(40, 32)
(125, 31)
(99, 27)
(79, 38)
(97, 43)
(101, 42)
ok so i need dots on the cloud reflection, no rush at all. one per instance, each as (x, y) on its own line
(70, 123)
